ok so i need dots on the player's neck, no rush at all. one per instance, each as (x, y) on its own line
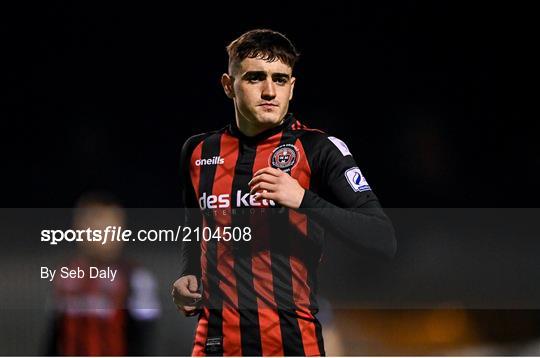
(250, 129)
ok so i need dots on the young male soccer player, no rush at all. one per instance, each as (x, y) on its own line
(289, 184)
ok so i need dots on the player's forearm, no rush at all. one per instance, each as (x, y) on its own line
(190, 260)
(362, 227)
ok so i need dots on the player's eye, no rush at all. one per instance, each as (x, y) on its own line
(256, 77)
(281, 80)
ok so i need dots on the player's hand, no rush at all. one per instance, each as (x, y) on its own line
(273, 184)
(185, 294)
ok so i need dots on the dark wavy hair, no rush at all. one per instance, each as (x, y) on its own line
(265, 44)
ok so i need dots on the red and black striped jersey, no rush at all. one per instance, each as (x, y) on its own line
(259, 296)
(103, 317)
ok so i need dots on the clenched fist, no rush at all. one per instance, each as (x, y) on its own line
(186, 294)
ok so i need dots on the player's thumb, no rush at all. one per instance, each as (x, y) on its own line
(192, 284)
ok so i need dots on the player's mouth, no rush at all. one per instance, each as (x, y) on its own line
(268, 106)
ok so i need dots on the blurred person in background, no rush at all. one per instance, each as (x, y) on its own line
(100, 316)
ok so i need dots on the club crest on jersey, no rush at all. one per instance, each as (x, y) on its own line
(284, 157)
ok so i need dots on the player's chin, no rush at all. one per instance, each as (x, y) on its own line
(269, 118)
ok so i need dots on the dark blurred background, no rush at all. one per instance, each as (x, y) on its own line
(430, 96)
(434, 99)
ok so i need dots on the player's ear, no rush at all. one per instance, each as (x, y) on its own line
(293, 80)
(227, 83)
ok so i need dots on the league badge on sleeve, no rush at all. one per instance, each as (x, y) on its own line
(284, 157)
(356, 180)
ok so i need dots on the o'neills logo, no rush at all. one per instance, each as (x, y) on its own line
(212, 161)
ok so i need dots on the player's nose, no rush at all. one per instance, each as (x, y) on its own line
(268, 90)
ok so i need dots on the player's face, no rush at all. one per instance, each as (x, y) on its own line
(262, 91)
(99, 217)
